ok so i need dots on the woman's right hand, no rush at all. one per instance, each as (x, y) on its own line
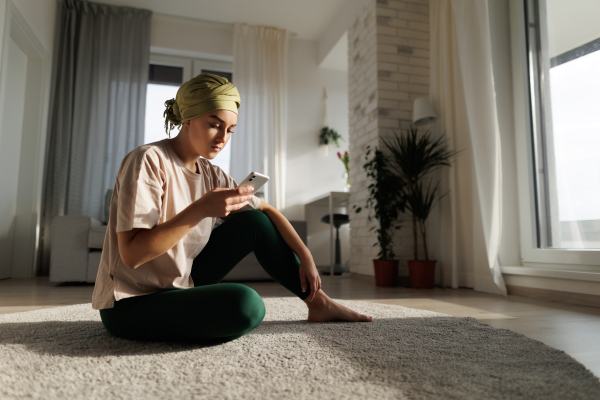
(219, 202)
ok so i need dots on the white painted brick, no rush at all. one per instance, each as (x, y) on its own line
(412, 70)
(420, 53)
(390, 95)
(399, 5)
(362, 232)
(372, 125)
(391, 58)
(399, 77)
(419, 26)
(423, 9)
(405, 106)
(386, 30)
(393, 114)
(398, 23)
(421, 80)
(421, 44)
(388, 123)
(412, 16)
(389, 103)
(419, 61)
(386, 49)
(392, 40)
(384, 11)
(412, 34)
(387, 67)
(383, 54)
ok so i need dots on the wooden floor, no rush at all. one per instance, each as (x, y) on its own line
(572, 328)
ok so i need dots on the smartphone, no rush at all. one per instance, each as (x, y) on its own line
(254, 179)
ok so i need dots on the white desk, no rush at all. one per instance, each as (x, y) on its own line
(332, 199)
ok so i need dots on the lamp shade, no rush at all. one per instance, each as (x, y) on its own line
(423, 112)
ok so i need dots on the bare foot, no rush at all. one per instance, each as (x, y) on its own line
(323, 309)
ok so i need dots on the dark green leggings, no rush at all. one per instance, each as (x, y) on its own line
(212, 310)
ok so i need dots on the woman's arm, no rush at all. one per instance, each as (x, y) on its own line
(308, 269)
(286, 230)
(141, 245)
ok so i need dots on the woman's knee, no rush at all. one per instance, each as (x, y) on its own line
(249, 308)
(112, 325)
(255, 216)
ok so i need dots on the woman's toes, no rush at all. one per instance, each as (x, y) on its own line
(364, 318)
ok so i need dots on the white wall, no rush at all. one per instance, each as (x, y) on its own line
(571, 24)
(186, 37)
(309, 172)
(27, 144)
(10, 139)
(40, 15)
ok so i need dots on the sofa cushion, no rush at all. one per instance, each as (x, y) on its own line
(96, 237)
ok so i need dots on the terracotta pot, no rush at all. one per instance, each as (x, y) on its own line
(422, 274)
(386, 272)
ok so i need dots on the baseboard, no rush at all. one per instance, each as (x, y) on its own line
(555, 295)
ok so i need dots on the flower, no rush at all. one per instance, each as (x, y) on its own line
(345, 159)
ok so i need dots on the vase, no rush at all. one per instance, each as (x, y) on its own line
(347, 180)
(386, 272)
(422, 274)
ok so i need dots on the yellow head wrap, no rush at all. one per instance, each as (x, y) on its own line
(206, 92)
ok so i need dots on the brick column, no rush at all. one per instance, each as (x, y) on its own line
(388, 67)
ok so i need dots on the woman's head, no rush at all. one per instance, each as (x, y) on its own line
(206, 108)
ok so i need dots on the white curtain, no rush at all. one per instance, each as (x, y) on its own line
(260, 73)
(463, 94)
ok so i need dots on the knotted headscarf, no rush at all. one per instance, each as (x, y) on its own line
(206, 92)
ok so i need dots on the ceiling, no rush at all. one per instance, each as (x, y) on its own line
(305, 19)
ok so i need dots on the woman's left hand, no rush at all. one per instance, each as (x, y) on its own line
(308, 270)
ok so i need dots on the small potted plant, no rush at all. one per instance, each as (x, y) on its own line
(385, 201)
(328, 136)
(413, 156)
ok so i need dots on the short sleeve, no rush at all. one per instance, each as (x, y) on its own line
(140, 193)
(227, 181)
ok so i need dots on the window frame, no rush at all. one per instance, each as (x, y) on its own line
(173, 61)
(583, 260)
(200, 64)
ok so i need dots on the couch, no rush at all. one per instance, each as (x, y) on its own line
(77, 243)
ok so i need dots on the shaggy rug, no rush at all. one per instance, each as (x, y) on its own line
(404, 353)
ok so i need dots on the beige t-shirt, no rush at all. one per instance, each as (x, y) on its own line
(152, 186)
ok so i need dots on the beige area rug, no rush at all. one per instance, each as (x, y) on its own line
(65, 353)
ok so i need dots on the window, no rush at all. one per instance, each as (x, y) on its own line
(563, 62)
(166, 74)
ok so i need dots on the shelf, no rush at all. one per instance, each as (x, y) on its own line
(340, 199)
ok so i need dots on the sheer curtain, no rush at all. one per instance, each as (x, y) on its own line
(462, 91)
(97, 114)
(260, 73)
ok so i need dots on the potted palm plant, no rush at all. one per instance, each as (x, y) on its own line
(412, 157)
(387, 205)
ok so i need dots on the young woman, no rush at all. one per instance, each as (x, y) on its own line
(162, 260)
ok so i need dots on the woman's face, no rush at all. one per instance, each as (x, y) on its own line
(210, 132)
